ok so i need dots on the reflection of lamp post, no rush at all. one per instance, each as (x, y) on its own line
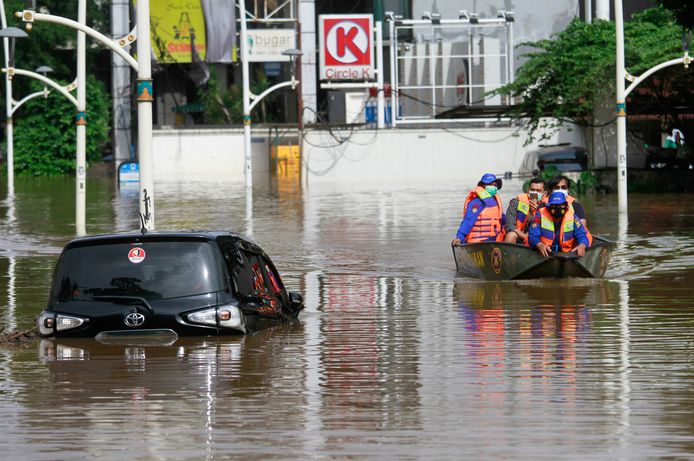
(9, 34)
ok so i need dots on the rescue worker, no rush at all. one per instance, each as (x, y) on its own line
(521, 211)
(562, 184)
(556, 228)
(483, 218)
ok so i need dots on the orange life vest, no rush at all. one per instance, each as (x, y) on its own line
(566, 229)
(488, 223)
(523, 212)
(570, 200)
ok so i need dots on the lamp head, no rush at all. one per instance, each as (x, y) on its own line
(13, 32)
(293, 53)
(44, 70)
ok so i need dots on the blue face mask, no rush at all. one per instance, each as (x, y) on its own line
(491, 189)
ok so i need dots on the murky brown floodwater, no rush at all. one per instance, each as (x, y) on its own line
(395, 357)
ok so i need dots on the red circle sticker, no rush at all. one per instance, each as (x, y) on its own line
(136, 255)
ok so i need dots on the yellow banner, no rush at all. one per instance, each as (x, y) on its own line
(172, 23)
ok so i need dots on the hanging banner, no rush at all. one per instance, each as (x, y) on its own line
(346, 47)
(174, 23)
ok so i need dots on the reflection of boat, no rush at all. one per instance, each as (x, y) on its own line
(509, 261)
(574, 292)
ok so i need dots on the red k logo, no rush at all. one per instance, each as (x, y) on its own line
(347, 41)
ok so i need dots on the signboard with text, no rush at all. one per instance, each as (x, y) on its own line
(267, 45)
(172, 24)
(346, 47)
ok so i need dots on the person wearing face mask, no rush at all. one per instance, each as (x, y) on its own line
(521, 210)
(556, 228)
(483, 217)
(562, 184)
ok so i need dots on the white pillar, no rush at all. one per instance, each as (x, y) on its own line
(307, 19)
(120, 82)
(588, 11)
(248, 161)
(380, 99)
(8, 107)
(393, 73)
(81, 125)
(145, 96)
(602, 9)
(621, 111)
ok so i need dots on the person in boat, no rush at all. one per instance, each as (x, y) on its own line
(557, 229)
(561, 184)
(483, 217)
(521, 210)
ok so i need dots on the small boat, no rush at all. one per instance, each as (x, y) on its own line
(510, 261)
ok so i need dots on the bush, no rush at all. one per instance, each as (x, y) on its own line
(45, 133)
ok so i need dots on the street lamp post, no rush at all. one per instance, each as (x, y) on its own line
(621, 111)
(248, 106)
(81, 125)
(245, 77)
(9, 34)
(143, 66)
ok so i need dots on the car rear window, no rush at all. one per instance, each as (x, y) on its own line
(151, 270)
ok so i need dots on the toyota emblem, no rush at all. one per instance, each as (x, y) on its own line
(134, 319)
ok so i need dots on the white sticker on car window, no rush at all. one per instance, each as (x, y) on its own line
(136, 255)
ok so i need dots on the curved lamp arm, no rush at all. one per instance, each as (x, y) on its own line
(257, 99)
(31, 16)
(41, 78)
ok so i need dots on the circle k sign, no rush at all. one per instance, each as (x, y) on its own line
(346, 47)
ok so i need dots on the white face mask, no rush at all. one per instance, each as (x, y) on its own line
(563, 191)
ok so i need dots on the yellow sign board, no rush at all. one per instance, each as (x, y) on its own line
(172, 22)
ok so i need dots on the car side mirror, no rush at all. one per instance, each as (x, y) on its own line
(296, 300)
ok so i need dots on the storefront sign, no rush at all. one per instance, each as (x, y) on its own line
(346, 47)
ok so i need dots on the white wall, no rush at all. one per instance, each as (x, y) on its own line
(391, 155)
(207, 152)
(406, 155)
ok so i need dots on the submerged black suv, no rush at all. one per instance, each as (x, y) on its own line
(187, 283)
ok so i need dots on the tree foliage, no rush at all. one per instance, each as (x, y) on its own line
(54, 45)
(566, 76)
(223, 106)
(45, 136)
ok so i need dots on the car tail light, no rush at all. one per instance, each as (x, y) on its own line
(67, 322)
(227, 316)
(49, 323)
(204, 317)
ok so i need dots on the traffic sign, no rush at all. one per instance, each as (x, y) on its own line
(346, 47)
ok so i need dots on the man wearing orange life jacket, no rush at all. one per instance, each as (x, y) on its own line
(562, 184)
(557, 229)
(483, 217)
(521, 211)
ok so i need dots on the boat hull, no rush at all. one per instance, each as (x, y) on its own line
(509, 261)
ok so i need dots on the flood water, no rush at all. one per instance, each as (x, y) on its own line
(396, 355)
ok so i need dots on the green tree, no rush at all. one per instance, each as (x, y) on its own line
(54, 45)
(223, 106)
(45, 136)
(565, 77)
(45, 128)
